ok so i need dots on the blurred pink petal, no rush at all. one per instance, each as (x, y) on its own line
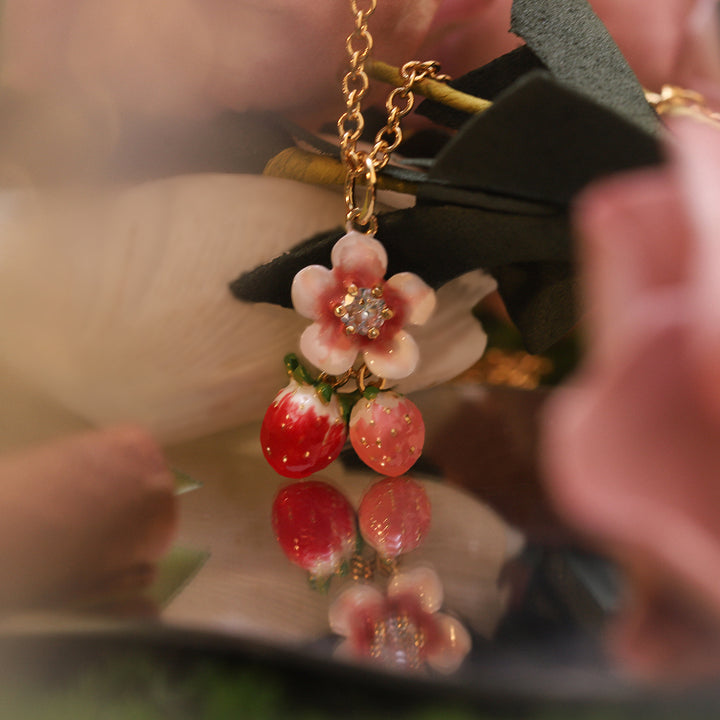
(697, 154)
(632, 448)
(192, 56)
(84, 515)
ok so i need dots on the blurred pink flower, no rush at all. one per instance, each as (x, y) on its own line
(190, 57)
(175, 57)
(633, 443)
(83, 518)
(666, 41)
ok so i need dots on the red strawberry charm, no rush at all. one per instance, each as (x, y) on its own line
(394, 516)
(302, 431)
(387, 432)
(316, 527)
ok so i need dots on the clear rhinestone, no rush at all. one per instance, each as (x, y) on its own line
(364, 312)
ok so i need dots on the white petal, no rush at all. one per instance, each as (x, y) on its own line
(327, 349)
(421, 582)
(355, 599)
(308, 287)
(395, 362)
(357, 252)
(418, 295)
(453, 339)
(454, 645)
(144, 329)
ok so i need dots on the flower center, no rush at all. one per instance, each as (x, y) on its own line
(363, 311)
(398, 642)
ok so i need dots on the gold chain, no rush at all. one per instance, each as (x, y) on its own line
(363, 166)
(674, 100)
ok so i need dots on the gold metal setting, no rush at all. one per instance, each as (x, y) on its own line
(361, 378)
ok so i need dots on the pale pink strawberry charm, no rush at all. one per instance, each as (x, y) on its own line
(303, 431)
(316, 527)
(387, 432)
(394, 516)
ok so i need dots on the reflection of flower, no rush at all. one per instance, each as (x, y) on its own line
(632, 444)
(356, 311)
(402, 628)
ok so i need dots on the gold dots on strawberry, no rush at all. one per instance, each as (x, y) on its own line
(387, 432)
(315, 525)
(394, 516)
(300, 433)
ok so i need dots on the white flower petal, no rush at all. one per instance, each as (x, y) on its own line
(328, 349)
(417, 294)
(422, 583)
(394, 362)
(356, 599)
(454, 645)
(357, 253)
(453, 339)
(90, 336)
(308, 287)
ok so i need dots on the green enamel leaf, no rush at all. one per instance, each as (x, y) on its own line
(371, 392)
(324, 391)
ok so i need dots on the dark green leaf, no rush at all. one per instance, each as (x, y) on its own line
(539, 142)
(575, 46)
(541, 300)
(437, 242)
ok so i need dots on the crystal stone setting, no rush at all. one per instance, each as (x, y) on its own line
(363, 311)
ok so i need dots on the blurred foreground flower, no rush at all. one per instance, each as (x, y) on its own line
(667, 41)
(83, 518)
(633, 445)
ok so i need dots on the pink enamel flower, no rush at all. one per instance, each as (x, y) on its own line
(402, 628)
(356, 311)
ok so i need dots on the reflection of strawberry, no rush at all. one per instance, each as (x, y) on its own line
(302, 432)
(394, 516)
(387, 432)
(315, 526)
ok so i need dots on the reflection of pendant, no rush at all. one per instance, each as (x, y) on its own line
(398, 642)
(315, 526)
(394, 516)
(401, 627)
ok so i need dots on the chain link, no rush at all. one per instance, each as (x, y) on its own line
(363, 166)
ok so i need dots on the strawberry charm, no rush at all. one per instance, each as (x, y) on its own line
(316, 527)
(304, 428)
(387, 431)
(394, 516)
